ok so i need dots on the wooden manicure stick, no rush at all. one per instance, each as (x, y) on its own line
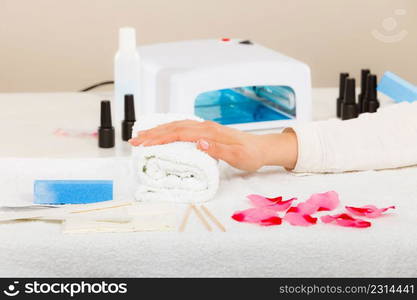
(201, 217)
(213, 218)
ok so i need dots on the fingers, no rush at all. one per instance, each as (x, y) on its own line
(174, 124)
(160, 131)
(185, 134)
(186, 130)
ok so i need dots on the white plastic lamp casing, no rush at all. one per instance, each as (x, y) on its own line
(174, 74)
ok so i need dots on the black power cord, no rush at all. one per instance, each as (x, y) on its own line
(97, 85)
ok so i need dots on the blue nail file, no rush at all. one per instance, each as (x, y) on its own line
(72, 191)
(397, 88)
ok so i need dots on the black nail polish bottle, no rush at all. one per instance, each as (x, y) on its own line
(130, 118)
(364, 78)
(106, 130)
(339, 101)
(370, 102)
(349, 107)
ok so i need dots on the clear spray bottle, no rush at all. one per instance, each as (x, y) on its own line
(126, 71)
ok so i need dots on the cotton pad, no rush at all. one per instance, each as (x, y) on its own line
(72, 191)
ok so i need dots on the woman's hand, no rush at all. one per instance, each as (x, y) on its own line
(242, 150)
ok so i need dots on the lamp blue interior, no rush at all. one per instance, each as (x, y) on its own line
(247, 104)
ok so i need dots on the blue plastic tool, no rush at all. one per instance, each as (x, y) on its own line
(72, 191)
(397, 88)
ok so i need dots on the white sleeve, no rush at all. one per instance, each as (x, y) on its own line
(382, 140)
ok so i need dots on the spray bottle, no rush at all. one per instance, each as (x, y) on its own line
(126, 71)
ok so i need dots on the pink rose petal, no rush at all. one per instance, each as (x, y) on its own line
(275, 204)
(265, 211)
(260, 216)
(345, 220)
(260, 201)
(324, 201)
(307, 208)
(301, 214)
(369, 211)
(297, 219)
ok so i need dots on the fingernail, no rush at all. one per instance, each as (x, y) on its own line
(204, 145)
(134, 142)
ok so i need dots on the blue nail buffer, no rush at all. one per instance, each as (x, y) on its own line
(397, 88)
(72, 191)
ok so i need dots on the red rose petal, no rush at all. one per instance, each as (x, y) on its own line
(275, 204)
(238, 217)
(345, 220)
(276, 199)
(261, 216)
(310, 219)
(298, 219)
(369, 211)
(272, 221)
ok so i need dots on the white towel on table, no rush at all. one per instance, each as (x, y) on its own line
(176, 172)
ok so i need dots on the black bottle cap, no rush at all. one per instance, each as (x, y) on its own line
(342, 82)
(349, 109)
(370, 100)
(364, 78)
(106, 130)
(350, 94)
(130, 117)
(105, 114)
(371, 85)
(129, 108)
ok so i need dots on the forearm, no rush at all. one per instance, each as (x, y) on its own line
(279, 149)
(387, 139)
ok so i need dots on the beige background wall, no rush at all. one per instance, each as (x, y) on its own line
(57, 45)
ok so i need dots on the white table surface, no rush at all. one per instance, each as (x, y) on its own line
(36, 248)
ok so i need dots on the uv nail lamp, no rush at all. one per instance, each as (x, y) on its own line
(229, 81)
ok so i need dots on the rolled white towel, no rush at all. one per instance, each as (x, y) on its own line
(176, 172)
